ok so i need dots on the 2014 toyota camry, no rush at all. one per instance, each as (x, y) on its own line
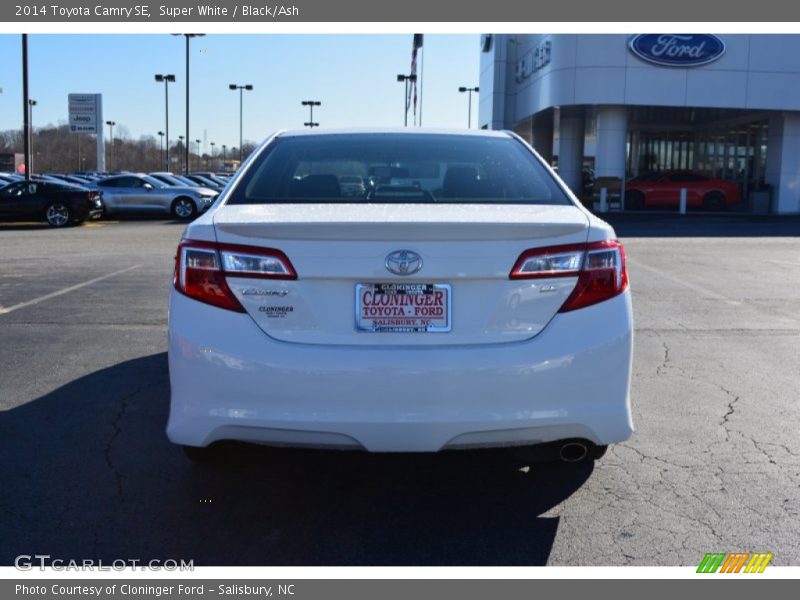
(462, 299)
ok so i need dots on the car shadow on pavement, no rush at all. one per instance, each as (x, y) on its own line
(26, 226)
(111, 220)
(144, 218)
(89, 473)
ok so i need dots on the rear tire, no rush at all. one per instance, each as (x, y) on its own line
(634, 200)
(715, 201)
(184, 208)
(57, 214)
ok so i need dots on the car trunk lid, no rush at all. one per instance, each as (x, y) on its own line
(340, 252)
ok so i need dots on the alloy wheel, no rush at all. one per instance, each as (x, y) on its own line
(184, 209)
(57, 215)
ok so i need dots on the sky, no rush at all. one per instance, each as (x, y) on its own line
(353, 75)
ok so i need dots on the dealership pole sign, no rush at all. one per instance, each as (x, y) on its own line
(677, 50)
(86, 116)
(85, 113)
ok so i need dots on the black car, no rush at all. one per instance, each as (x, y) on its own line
(59, 204)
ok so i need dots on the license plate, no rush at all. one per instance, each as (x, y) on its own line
(403, 307)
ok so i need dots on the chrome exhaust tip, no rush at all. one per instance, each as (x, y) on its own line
(572, 452)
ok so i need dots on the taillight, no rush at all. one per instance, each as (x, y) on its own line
(201, 269)
(599, 266)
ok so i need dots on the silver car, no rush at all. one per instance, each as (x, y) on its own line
(136, 192)
(175, 180)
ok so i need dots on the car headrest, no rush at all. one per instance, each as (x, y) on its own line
(459, 182)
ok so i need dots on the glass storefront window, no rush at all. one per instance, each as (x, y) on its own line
(737, 152)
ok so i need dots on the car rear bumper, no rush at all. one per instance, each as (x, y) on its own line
(230, 381)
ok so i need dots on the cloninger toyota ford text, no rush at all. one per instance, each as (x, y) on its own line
(400, 291)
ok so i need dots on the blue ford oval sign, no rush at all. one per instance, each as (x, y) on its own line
(677, 50)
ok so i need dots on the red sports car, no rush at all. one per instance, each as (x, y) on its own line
(663, 190)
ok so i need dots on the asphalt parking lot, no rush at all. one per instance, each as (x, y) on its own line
(713, 466)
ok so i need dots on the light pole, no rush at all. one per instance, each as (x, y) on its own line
(25, 108)
(188, 36)
(180, 139)
(406, 79)
(111, 140)
(31, 104)
(161, 147)
(212, 144)
(469, 90)
(241, 89)
(311, 104)
(198, 153)
(224, 148)
(167, 79)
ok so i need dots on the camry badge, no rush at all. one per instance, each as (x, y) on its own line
(261, 292)
(403, 262)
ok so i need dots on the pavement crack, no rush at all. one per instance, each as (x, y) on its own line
(784, 447)
(661, 369)
(116, 430)
(730, 410)
(758, 447)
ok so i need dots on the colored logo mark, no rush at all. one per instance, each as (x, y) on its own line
(734, 562)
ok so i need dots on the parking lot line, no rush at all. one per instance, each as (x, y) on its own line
(792, 263)
(66, 290)
(700, 290)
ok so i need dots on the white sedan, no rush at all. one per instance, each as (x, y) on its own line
(465, 299)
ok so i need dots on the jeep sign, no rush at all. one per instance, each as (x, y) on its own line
(85, 113)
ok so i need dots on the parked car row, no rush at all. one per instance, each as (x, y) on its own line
(65, 199)
(188, 195)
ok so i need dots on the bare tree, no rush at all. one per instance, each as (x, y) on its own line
(57, 150)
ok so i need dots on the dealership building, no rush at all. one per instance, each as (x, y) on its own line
(619, 106)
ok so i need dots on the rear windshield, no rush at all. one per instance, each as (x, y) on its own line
(387, 168)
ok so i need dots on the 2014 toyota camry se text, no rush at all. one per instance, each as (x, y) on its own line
(399, 291)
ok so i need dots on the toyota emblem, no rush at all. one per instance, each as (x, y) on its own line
(403, 262)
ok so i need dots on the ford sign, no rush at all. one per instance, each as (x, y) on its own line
(677, 50)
